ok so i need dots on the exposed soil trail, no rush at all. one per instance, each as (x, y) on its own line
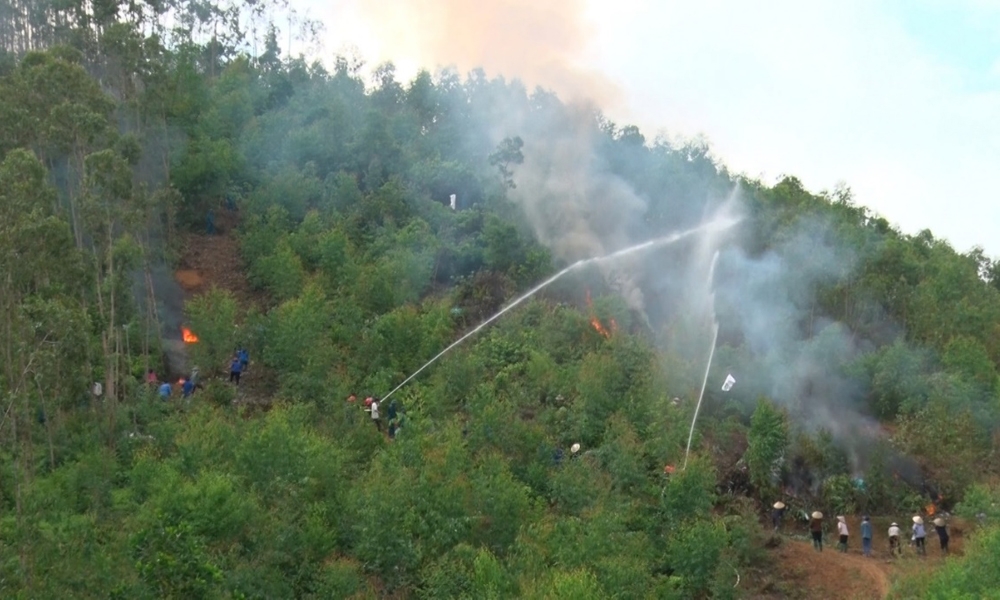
(807, 573)
(214, 260)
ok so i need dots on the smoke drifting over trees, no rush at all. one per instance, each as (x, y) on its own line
(544, 456)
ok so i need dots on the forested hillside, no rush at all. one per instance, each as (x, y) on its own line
(377, 221)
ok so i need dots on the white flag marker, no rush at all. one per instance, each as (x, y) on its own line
(728, 385)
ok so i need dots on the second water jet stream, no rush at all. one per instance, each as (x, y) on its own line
(711, 354)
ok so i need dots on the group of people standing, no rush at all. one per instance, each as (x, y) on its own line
(373, 406)
(918, 536)
(165, 389)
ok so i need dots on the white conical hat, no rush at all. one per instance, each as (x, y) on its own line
(574, 448)
(918, 520)
(817, 515)
(779, 505)
(842, 519)
(939, 522)
(894, 525)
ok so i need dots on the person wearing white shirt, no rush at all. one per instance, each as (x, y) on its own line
(894, 539)
(374, 411)
(919, 534)
(842, 531)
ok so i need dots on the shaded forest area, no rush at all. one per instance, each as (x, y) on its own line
(126, 127)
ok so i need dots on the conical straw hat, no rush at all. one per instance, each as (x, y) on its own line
(842, 519)
(779, 505)
(817, 515)
(918, 520)
(939, 522)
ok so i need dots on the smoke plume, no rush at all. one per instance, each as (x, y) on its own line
(540, 42)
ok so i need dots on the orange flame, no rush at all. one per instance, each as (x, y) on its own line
(599, 328)
(930, 508)
(668, 469)
(596, 323)
(189, 337)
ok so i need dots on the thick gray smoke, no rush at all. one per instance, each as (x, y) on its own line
(767, 304)
(578, 208)
(790, 353)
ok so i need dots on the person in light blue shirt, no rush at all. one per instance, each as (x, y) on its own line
(165, 390)
(866, 536)
(919, 534)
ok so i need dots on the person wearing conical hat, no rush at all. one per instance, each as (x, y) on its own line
(816, 528)
(942, 532)
(843, 533)
(777, 513)
(919, 534)
(894, 547)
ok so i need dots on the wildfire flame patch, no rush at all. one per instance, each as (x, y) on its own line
(596, 323)
(188, 335)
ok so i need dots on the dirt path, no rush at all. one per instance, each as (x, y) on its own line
(806, 573)
(215, 261)
(832, 574)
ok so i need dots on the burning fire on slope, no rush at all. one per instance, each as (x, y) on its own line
(596, 323)
(188, 335)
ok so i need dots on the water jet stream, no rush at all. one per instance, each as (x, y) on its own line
(661, 241)
(711, 354)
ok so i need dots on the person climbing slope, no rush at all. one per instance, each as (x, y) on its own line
(866, 536)
(816, 527)
(843, 533)
(235, 369)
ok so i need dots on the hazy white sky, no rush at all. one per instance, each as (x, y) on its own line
(899, 99)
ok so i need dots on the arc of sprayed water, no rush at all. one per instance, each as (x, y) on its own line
(711, 354)
(661, 241)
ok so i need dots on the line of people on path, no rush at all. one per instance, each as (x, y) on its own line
(918, 537)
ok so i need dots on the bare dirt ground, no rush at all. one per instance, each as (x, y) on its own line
(802, 572)
(214, 261)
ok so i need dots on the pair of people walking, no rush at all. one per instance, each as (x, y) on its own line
(843, 533)
(816, 528)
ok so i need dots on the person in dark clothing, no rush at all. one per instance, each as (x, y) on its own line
(244, 357)
(187, 387)
(816, 528)
(235, 369)
(777, 513)
(210, 223)
(942, 532)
